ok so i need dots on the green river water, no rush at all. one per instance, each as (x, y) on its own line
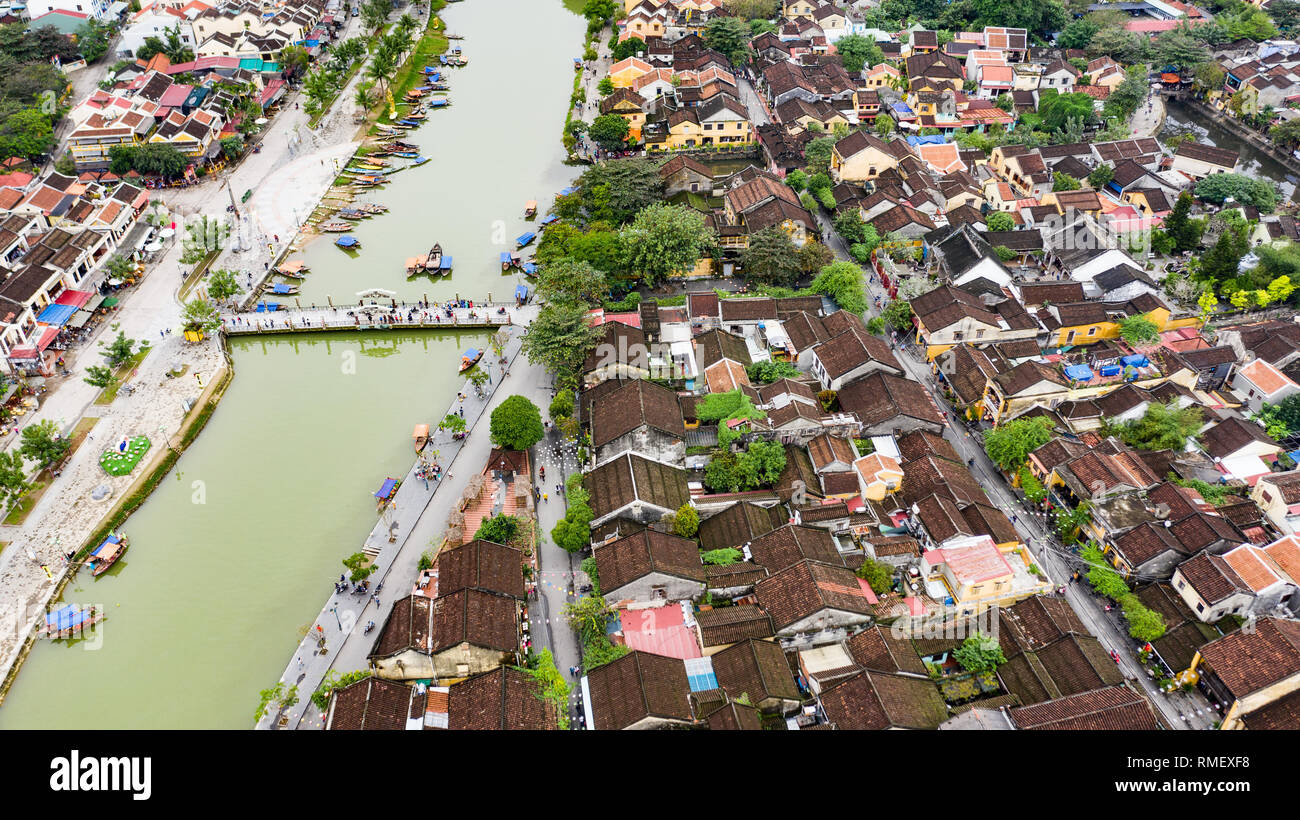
(208, 604)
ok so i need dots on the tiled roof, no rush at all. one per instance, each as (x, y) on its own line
(757, 669)
(880, 397)
(629, 478)
(730, 624)
(635, 556)
(1115, 708)
(873, 701)
(1249, 660)
(738, 524)
(878, 650)
(790, 544)
(505, 698)
(474, 617)
(636, 686)
(373, 704)
(808, 587)
(481, 565)
(636, 404)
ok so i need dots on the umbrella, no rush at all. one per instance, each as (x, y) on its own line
(166, 233)
(261, 121)
(153, 246)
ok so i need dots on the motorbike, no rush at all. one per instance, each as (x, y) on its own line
(369, 626)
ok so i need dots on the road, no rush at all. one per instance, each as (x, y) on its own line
(1148, 117)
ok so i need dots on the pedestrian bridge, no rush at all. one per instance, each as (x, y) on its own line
(372, 316)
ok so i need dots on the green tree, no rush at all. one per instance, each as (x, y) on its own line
(1065, 182)
(721, 557)
(814, 256)
(1224, 259)
(885, 126)
(294, 61)
(452, 422)
(1000, 221)
(1077, 34)
(1144, 624)
(664, 240)
(201, 316)
(858, 52)
(771, 258)
(1056, 108)
(1245, 190)
(771, 370)
(1010, 444)
(560, 338)
(606, 87)
(687, 521)
(26, 133)
(570, 282)
(721, 474)
(1161, 427)
(600, 11)
(100, 376)
(499, 529)
(878, 575)
(1139, 330)
(159, 158)
(843, 282)
(876, 326)
(222, 284)
(374, 13)
(1101, 176)
(13, 479)
(628, 48)
(617, 190)
(817, 153)
(562, 404)
(898, 313)
(729, 36)
(43, 443)
(516, 424)
(119, 351)
(360, 566)
(589, 616)
(1179, 226)
(761, 463)
(979, 653)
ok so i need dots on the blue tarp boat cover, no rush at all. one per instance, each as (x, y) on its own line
(282, 289)
(572, 189)
(548, 220)
(530, 267)
(1135, 360)
(386, 489)
(521, 291)
(346, 241)
(1079, 372)
(507, 258)
(57, 315)
(445, 264)
(66, 617)
(524, 239)
(112, 539)
(437, 103)
(471, 353)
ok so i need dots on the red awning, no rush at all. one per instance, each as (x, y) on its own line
(76, 298)
(50, 334)
(26, 353)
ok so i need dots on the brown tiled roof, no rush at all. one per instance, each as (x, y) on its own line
(878, 650)
(757, 669)
(619, 337)
(827, 449)
(630, 477)
(804, 329)
(872, 700)
(1035, 622)
(623, 561)
(879, 397)
(702, 304)
(636, 404)
(808, 587)
(1067, 666)
(505, 698)
(920, 443)
(730, 624)
(716, 345)
(790, 544)
(481, 565)
(889, 545)
(1115, 708)
(931, 474)
(941, 517)
(738, 524)
(852, 349)
(1232, 434)
(1207, 153)
(1201, 530)
(740, 574)
(733, 716)
(1288, 484)
(478, 618)
(1146, 541)
(406, 627)
(373, 704)
(1280, 715)
(751, 309)
(636, 686)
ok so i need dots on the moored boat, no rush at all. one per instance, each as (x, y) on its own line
(336, 227)
(293, 270)
(525, 240)
(415, 264)
(372, 208)
(107, 553)
(421, 436)
(530, 208)
(434, 260)
(418, 161)
(470, 358)
(348, 242)
(280, 289)
(508, 260)
(69, 619)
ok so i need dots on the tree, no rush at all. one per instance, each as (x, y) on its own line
(26, 133)
(1139, 330)
(878, 575)
(898, 313)
(979, 653)
(43, 443)
(843, 282)
(516, 424)
(568, 282)
(817, 153)
(761, 464)
(1010, 444)
(1179, 226)
(628, 48)
(119, 351)
(1248, 22)
(1218, 188)
(589, 616)
(158, 158)
(876, 326)
(1224, 259)
(885, 125)
(687, 521)
(723, 557)
(599, 11)
(1178, 47)
(729, 36)
(374, 13)
(560, 338)
(13, 480)
(664, 240)
(1065, 182)
(858, 52)
(605, 87)
(294, 61)
(771, 370)
(609, 131)
(92, 40)
(100, 376)
(1144, 624)
(200, 316)
(499, 529)
(1056, 108)
(1285, 13)
(1161, 427)
(453, 422)
(615, 191)
(1077, 34)
(572, 533)
(1000, 221)
(360, 566)
(814, 256)
(721, 473)
(771, 258)
(1101, 176)
(562, 404)
(222, 284)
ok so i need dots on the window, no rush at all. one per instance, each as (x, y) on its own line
(1092, 331)
(1181, 584)
(1200, 607)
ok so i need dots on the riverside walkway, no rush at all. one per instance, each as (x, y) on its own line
(414, 518)
(374, 314)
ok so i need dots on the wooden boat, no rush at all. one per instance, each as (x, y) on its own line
(352, 214)
(372, 208)
(293, 270)
(470, 358)
(525, 239)
(336, 227)
(421, 436)
(387, 490)
(434, 259)
(530, 208)
(69, 620)
(415, 264)
(406, 154)
(415, 115)
(280, 289)
(508, 260)
(405, 146)
(107, 553)
(348, 243)
(418, 161)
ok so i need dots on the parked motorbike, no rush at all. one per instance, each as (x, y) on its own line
(369, 626)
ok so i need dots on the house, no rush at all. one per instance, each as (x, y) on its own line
(875, 701)
(649, 566)
(862, 156)
(629, 105)
(1246, 581)
(640, 417)
(452, 636)
(1240, 449)
(738, 524)
(1113, 708)
(812, 601)
(850, 356)
(757, 669)
(887, 404)
(374, 704)
(1278, 495)
(1059, 75)
(1260, 383)
(635, 487)
(481, 565)
(977, 574)
(724, 626)
(722, 357)
(503, 699)
(789, 544)
(1199, 160)
(622, 352)
(627, 71)
(948, 316)
(1252, 670)
(638, 691)
(682, 173)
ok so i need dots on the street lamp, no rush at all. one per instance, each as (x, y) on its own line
(335, 610)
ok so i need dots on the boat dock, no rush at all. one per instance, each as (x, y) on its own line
(374, 315)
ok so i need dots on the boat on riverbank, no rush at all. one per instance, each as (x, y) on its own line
(352, 214)
(470, 358)
(421, 436)
(418, 161)
(280, 289)
(525, 240)
(372, 208)
(415, 264)
(69, 619)
(107, 553)
(508, 260)
(336, 227)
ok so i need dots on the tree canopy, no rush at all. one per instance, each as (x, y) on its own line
(1010, 444)
(665, 240)
(1161, 427)
(516, 424)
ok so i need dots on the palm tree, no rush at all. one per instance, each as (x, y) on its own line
(363, 97)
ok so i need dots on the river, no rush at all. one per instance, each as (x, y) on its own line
(233, 554)
(1255, 163)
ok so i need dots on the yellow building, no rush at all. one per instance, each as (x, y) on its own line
(625, 72)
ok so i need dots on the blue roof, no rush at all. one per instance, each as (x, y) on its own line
(346, 241)
(1136, 359)
(700, 675)
(112, 539)
(1079, 372)
(901, 107)
(66, 617)
(524, 239)
(386, 489)
(57, 314)
(437, 103)
(521, 291)
(445, 264)
(507, 257)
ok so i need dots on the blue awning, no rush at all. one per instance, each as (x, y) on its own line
(1135, 360)
(57, 315)
(521, 292)
(445, 264)
(507, 258)
(386, 489)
